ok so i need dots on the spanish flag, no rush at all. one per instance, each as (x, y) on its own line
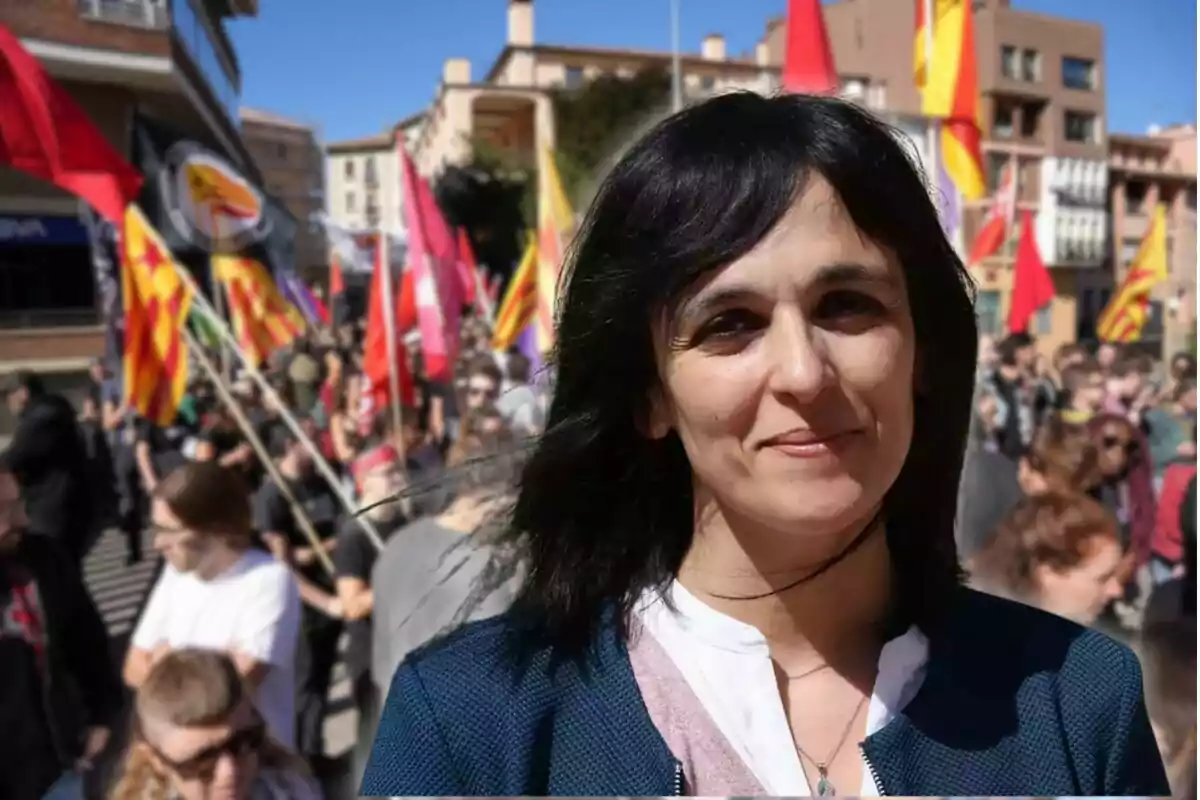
(520, 301)
(156, 302)
(1126, 314)
(555, 223)
(262, 320)
(950, 91)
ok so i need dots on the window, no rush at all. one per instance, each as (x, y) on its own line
(1031, 120)
(1008, 61)
(1042, 321)
(574, 77)
(987, 311)
(996, 163)
(1135, 197)
(1129, 248)
(1079, 126)
(1031, 66)
(349, 169)
(350, 202)
(1002, 120)
(281, 151)
(1078, 73)
(369, 172)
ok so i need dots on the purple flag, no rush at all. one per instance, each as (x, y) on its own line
(949, 203)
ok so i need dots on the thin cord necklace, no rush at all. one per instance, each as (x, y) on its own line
(824, 787)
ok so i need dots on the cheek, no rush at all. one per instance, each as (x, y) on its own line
(713, 396)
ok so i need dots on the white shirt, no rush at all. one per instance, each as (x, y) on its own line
(727, 664)
(253, 608)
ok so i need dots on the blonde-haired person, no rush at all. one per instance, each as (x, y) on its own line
(197, 736)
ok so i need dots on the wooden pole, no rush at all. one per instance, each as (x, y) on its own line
(285, 413)
(389, 330)
(306, 526)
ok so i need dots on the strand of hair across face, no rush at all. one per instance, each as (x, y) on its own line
(854, 544)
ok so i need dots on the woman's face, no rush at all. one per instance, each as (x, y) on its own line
(788, 376)
(1117, 446)
(212, 762)
(1081, 592)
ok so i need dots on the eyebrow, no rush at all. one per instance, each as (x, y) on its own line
(828, 275)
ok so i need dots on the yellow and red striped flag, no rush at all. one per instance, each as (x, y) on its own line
(556, 221)
(950, 92)
(263, 320)
(520, 301)
(156, 302)
(1126, 314)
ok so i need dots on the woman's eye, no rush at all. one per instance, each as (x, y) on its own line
(728, 325)
(845, 303)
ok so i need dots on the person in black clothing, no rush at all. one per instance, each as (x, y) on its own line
(48, 458)
(101, 475)
(59, 692)
(378, 476)
(321, 622)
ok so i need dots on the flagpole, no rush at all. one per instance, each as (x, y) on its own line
(218, 291)
(1013, 233)
(239, 416)
(389, 330)
(285, 414)
(676, 67)
(935, 127)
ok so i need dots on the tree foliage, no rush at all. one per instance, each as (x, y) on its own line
(494, 195)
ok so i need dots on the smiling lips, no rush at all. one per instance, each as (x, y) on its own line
(802, 443)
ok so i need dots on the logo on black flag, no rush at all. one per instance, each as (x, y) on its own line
(197, 198)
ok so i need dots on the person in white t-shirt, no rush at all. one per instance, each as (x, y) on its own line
(219, 592)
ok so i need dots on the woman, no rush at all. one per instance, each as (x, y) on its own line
(1062, 458)
(739, 523)
(1057, 551)
(197, 736)
(1126, 486)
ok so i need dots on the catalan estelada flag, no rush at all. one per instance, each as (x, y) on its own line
(950, 92)
(555, 223)
(263, 320)
(1126, 314)
(156, 304)
(520, 301)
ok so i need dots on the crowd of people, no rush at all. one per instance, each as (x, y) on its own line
(244, 589)
(653, 631)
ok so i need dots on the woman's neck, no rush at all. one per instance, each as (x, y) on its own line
(838, 616)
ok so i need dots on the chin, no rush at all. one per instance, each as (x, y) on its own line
(817, 506)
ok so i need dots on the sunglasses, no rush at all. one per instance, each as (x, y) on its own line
(202, 765)
(1112, 442)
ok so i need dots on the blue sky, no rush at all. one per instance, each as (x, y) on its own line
(355, 66)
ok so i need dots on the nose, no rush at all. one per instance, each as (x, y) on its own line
(796, 357)
(226, 778)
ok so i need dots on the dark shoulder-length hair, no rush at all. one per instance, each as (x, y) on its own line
(603, 512)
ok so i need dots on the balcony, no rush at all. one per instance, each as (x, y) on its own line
(146, 14)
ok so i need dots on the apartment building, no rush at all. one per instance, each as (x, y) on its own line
(1145, 170)
(169, 59)
(509, 105)
(291, 162)
(1042, 90)
(363, 176)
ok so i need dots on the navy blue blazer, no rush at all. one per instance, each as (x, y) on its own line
(1015, 702)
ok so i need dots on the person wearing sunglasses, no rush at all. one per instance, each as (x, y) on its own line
(197, 736)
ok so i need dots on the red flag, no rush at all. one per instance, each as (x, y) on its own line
(376, 364)
(468, 268)
(1032, 287)
(998, 223)
(406, 305)
(808, 59)
(45, 133)
(337, 281)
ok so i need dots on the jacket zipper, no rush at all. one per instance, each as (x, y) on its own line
(678, 782)
(871, 769)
